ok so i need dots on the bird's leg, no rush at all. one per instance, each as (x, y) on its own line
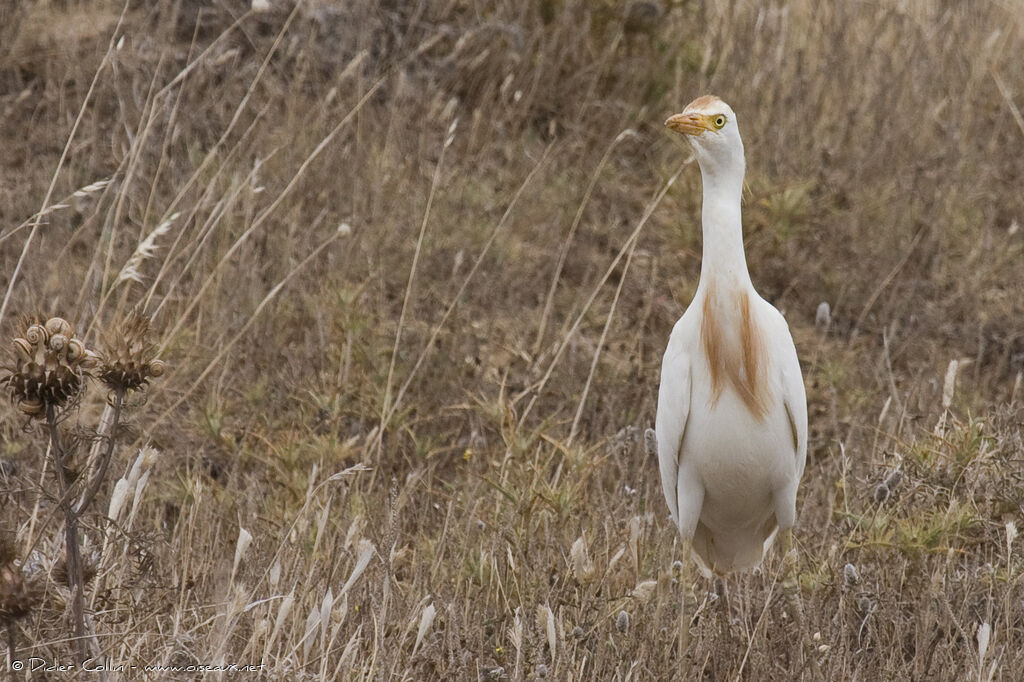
(790, 591)
(726, 615)
(684, 611)
(789, 578)
(721, 661)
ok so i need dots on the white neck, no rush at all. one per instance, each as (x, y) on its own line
(723, 260)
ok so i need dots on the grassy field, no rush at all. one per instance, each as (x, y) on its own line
(411, 267)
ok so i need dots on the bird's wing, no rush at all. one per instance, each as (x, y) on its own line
(670, 423)
(794, 397)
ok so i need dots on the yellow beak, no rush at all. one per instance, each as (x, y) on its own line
(689, 124)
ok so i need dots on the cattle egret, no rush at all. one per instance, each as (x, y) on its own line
(731, 427)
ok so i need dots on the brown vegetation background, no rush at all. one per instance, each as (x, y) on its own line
(414, 267)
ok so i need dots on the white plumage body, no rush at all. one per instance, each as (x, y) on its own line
(735, 473)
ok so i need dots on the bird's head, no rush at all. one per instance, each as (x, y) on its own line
(710, 126)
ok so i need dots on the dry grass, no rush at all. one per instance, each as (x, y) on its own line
(414, 266)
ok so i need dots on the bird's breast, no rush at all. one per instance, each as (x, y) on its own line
(733, 347)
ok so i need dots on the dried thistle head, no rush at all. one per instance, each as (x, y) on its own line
(17, 596)
(60, 571)
(129, 356)
(49, 363)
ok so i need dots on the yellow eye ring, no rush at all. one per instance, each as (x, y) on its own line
(719, 121)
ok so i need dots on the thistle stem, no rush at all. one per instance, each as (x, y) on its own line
(108, 436)
(73, 556)
(10, 641)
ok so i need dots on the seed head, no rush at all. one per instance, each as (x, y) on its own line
(496, 673)
(622, 622)
(49, 363)
(893, 479)
(129, 356)
(823, 315)
(582, 566)
(850, 575)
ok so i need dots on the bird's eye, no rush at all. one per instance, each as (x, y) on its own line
(719, 121)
